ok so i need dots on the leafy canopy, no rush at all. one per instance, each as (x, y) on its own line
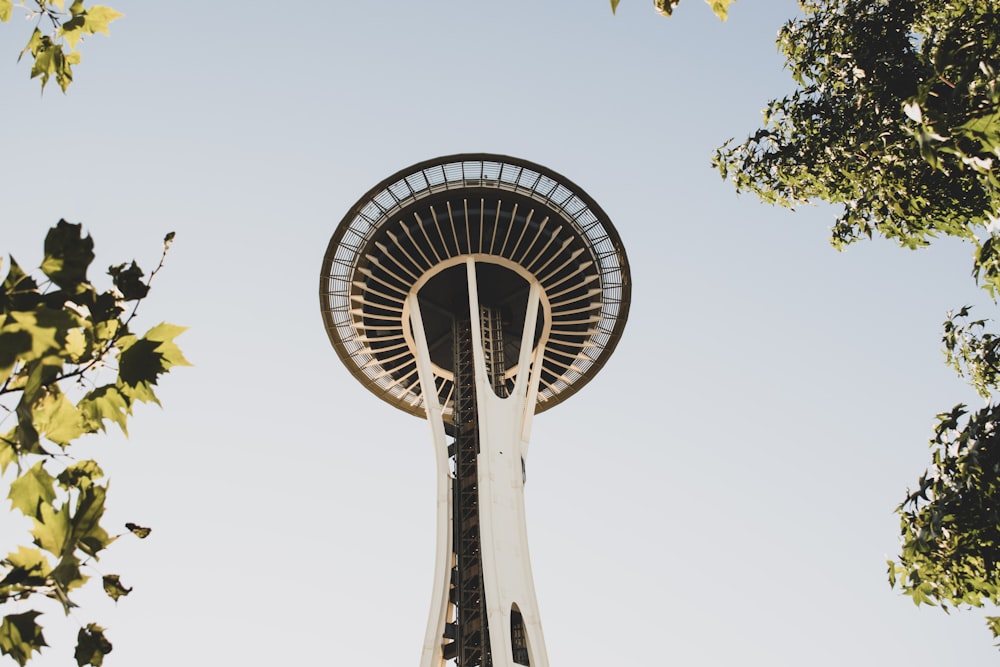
(896, 117)
(69, 365)
(65, 28)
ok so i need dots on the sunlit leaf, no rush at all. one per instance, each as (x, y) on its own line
(29, 567)
(139, 531)
(114, 587)
(57, 419)
(35, 487)
(80, 475)
(720, 7)
(91, 646)
(105, 402)
(98, 18)
(20, 636)
(52, 529)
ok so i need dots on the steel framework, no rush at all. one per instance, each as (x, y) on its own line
(476, 290)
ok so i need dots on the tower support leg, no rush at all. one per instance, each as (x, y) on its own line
(504, 424)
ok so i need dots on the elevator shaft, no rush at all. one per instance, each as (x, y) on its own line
(467, 638)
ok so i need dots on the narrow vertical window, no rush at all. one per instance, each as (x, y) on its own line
(518, 638)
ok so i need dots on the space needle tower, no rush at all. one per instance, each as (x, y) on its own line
(474, 291)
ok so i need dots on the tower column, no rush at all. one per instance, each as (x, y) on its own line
(504, 429)
(504, 424)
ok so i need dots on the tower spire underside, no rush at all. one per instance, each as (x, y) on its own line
(477, 290)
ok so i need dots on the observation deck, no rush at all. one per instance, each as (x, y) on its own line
(520, 223)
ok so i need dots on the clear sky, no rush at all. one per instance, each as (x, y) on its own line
(720, 494)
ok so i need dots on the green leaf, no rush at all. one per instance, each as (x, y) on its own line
(165, 333)
(52, 529)
(18, 283)
(34, 488)
(76, 347)
(87, 532)
(20, 636)
(73, 29)
(35, 44)
(666, 7)
(614, 6)
(44, 325)
(14, 343)
(67, 577)
(91, 646)
(993, 623)
(141, 363)
(58, 419)
(720, 7)
(139, 531)
(68, 255)
(29, 567)
(129, 281)
(145, 359)
(80, 475)
(114, 587)
(5, 9)
(7, 453)
(105, 402)
(98, 18)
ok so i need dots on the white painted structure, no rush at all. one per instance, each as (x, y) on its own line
(505, 425)
(537, 273)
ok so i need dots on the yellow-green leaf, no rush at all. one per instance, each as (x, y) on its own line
(7, 452)
(665, 7)
(720, 7)
(166, 333)
(67, 576)
(72, 31)
(91, 646)
(105, 402)
(43, 338)
(31, 562)
(58, 419)
(76, 344)
(142, 532)
(20, 636)
(114, 587)
(34, 488)
(5, 9)
(52, 529)
(98, 18)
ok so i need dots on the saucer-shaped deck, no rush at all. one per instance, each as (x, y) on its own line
(519, 221)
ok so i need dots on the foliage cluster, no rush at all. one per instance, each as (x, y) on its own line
(950, 525)
(896, 117)
(69, 364)
(66, 27)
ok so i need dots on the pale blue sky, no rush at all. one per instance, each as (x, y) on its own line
(767, 407)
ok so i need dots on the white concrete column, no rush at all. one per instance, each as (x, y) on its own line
(504, 429)
(431, 655)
